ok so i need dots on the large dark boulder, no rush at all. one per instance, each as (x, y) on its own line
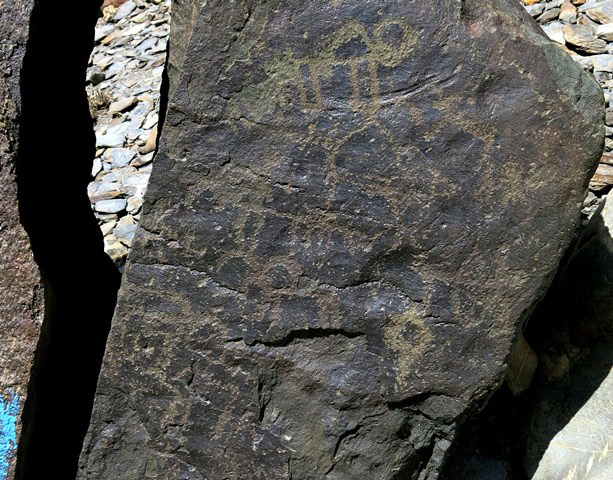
(354, 206)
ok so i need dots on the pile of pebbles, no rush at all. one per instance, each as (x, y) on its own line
(123, 85)
(584, 29)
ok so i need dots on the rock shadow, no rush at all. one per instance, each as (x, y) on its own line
(560, 427)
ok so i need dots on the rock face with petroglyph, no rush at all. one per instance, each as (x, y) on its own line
(354, 206)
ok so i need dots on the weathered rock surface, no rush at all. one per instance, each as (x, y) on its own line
(585, 31)
(346, 222)
(20, 284)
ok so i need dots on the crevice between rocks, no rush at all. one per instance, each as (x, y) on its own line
(57, 148)
(125, 80)
(305, 334)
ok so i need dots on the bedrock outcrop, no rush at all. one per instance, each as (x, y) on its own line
(354, 206)
(20, 282)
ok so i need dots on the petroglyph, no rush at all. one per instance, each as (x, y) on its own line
(409, 337)
(346, 61)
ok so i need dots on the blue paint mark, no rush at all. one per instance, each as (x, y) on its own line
(8, 432)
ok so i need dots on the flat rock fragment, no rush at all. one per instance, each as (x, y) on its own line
(603, 177)
(554, 31)
(601, 11)
(568, 12)
(583, 38)
(346, 223)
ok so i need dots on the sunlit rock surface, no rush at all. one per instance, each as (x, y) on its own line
(354, 206)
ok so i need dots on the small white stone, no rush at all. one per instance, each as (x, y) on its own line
(115, 205)
(121, 105)
(119, 157)
(110, 140)
(602, 63)
(554, 32)
(96, 167)
(605, 31)
(134, 204)
(123, 11)
(107, 227)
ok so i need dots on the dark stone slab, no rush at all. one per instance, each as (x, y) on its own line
(354, 206)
